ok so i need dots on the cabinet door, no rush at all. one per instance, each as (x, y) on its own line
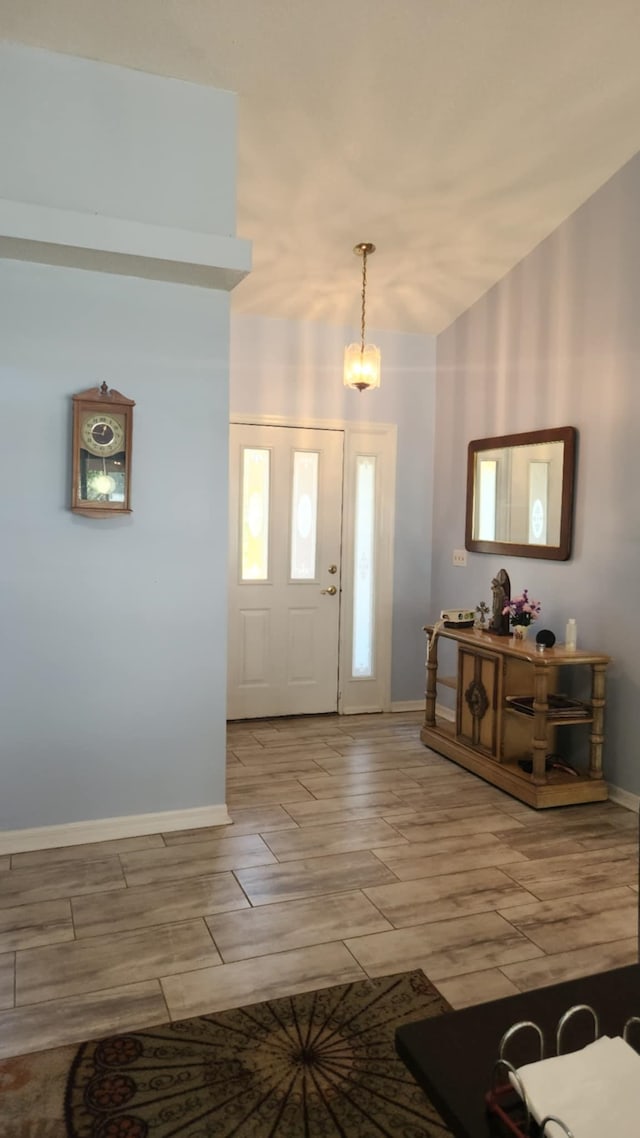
(479, 700)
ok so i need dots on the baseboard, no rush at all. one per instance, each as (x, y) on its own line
(408, 705)
(445, 713)
(106, 829)
(625, 798)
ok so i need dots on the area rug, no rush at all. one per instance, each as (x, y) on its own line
(316, 1065)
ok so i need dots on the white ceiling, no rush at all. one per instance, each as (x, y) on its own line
(455, 134)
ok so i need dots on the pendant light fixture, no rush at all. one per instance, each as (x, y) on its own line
(362, 361)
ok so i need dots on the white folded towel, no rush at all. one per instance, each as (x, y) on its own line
(595, 1091)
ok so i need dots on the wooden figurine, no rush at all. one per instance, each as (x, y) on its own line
(501, 589)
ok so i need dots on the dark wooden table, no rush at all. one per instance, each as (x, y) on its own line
(452, 1055)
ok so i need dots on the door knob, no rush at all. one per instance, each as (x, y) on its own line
(333, 568)
(331, 590)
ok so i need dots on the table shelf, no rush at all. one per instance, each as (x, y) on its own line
(552, 720)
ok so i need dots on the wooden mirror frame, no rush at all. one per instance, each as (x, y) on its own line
(561, 552)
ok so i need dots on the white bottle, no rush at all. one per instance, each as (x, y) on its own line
(571, 635)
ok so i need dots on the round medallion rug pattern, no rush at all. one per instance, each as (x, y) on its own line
(314, 1065)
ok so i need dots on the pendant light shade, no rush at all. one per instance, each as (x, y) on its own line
(362, 366)
(362, 361)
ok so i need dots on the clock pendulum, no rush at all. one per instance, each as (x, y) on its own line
(104, 483)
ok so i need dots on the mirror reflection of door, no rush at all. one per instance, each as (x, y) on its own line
(520, 494)
(538, 502)
(487, 498)
(285, 570)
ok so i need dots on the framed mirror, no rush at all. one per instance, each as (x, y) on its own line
(520, 494)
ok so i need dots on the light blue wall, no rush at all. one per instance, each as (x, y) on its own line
(113, 631)
(557, 342)
(288, 368)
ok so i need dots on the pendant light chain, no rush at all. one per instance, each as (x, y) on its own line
(364, 292)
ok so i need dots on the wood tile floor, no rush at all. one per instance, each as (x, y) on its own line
(354, 851)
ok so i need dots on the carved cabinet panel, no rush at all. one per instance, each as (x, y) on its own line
(479, 694)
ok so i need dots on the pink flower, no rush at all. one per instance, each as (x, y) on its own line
(522, 610)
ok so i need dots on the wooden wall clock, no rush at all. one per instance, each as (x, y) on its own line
(102, 436)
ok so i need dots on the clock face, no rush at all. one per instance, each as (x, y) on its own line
(102, 434)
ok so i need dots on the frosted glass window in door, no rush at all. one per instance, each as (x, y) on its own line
(256, 471)
(304, 515)
(363, 576)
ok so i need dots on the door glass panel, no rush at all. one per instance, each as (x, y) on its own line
(304, 515)
(256, 470)
(363, 576)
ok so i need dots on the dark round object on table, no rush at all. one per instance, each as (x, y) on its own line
(546, 638)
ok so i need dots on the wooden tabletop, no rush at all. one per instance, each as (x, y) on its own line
(524, 649)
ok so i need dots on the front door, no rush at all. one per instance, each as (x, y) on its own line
(284, 570)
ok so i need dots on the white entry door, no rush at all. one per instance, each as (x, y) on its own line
(284, 569)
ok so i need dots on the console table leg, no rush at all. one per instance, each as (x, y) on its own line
(432, 671)
(540, 714)
(596, 738)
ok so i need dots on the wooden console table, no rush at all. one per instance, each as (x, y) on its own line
(492, 733)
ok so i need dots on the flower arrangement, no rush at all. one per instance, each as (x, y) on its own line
(522, 610)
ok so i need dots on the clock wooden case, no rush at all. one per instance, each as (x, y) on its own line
(102, 437)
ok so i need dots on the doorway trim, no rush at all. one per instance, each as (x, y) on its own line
(357, 695)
